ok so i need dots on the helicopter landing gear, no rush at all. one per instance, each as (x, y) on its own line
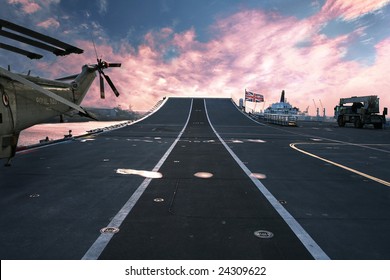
(8, 145)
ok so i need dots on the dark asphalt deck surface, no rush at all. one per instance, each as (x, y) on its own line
(76, 191)
(202, 218)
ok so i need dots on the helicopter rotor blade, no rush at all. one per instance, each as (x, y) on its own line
(114, 64)
(116, 92)
(103, 65)
(40, 89)
(102, 95)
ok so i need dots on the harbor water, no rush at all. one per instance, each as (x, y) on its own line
(55, 131)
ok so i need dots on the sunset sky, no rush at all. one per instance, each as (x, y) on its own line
(314, 50)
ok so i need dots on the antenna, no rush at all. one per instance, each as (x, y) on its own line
(94, 47)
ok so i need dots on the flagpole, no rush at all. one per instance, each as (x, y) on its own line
(245, 101)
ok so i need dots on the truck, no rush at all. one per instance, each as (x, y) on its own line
(360, 110)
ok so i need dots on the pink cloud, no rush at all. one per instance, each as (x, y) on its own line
(352, 9)
(28, 6)
(51, 22)
(251, 49)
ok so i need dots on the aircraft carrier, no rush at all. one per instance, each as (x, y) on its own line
(198, 179)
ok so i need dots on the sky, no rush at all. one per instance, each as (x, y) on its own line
(316, 50)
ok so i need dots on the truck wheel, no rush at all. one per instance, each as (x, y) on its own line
(358, 123)
(340, 121)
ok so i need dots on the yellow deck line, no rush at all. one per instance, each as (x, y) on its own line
(383, 182)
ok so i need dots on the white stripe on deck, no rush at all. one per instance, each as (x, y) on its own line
(298, 230)
(100, 244)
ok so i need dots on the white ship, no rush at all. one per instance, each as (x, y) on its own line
(282, 113)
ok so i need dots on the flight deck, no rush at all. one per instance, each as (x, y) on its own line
(199, 179)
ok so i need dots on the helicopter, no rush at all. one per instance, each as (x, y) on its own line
(27, 100)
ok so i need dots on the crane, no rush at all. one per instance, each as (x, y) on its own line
(323, 109)
(317, 109)
(364, 110)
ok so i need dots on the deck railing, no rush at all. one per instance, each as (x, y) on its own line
(287, 120)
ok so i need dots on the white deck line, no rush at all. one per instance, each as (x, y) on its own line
(100, 244)
(298, 230)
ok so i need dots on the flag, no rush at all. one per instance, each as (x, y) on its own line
(249, 96)
(259, 97)
(253, 97)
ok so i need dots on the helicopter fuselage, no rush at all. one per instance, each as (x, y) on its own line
(22, 106)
